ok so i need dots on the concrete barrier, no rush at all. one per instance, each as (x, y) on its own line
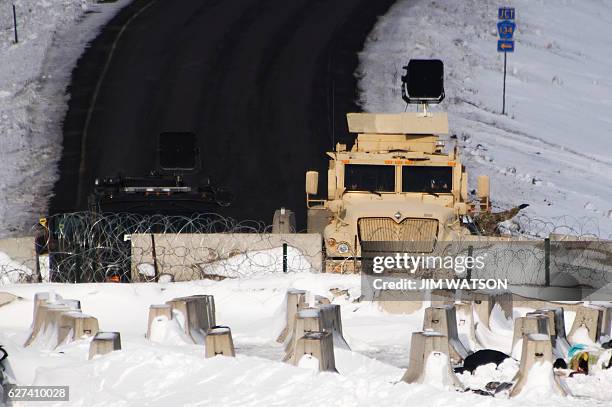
(589, 318)
(219, 342)
(184, 255)
(326, 318)
(485, 303)
(443, 319)
(534, 324)
(319, 345)
(556, 328)
(75, 304)
(103, 343)
(22, 252)
(283, 221)
(158, 311)
(50, 328)
(431, 347)
(550, 321)
(524, 302)
(576, 307)
(442, 297)
(466, 329)
(294, 301)
(47, 318)
(607, 322)
(75, 325)
(306, 320)
(400, 306)
(7, 298)
(536, 360)
(331, 321)
(43, 298)
(396, 302)
(59, 320)
(196, 315)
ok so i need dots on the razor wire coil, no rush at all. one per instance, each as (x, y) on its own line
(127, 247)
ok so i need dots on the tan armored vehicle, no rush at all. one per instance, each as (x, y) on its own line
(396, 184)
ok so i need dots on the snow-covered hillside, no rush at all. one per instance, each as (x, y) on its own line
(553, 148)
(33, 77)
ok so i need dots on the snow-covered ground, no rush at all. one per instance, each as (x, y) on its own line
(34, 75)
(173, 372)
(553, 148)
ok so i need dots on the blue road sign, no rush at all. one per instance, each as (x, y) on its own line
(505, 13)
(505, 46)
(505, 29)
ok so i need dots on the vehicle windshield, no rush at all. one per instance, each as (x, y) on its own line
(427, 179)
(379, 178)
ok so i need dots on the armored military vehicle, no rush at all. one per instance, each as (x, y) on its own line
(156, 193)
(397, 184)
(175, 187)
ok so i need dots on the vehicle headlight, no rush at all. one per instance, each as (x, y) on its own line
(343, 248)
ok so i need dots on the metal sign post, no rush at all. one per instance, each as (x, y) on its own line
(505, 43)
(15, 24)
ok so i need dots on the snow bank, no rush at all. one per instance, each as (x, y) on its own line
(172, 373)
(581, 335)
(34, 75)
(551, 150)
(436, 371)
(168, 332)
(541, 382)
(498, 335)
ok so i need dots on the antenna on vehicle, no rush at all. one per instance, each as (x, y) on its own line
(423, 83)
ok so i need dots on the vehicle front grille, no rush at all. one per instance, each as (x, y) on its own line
(410, 235)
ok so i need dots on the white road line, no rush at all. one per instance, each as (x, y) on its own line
(94, 98)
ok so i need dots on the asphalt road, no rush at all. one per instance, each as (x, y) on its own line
(264, 84)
